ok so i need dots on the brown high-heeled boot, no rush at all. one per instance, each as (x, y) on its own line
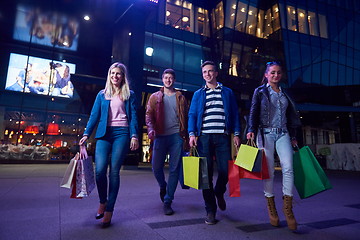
(106, 220)
(289, 215)
(274, 218)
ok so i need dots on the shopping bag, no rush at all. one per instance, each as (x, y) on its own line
(195, 172)
(85, 179)
(309, 177)
(235, 173)
(258, 161)
(247, 155)
(234, 179)
(69, 173)
(263, 174)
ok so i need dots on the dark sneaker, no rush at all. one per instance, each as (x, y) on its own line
(167, 209)
(221, 202)
(162, 193)
(210, 219)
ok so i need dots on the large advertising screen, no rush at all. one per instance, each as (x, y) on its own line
(40, 76)
(46, 28)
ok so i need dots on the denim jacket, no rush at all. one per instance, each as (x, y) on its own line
(260, 115)
(197, 107)
(100, 112)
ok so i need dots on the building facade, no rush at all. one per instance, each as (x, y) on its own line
(44, 45)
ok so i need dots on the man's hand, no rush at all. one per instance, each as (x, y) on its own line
(237, 142)
(192, 141)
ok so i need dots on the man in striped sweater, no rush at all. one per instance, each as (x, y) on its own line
(213, 116)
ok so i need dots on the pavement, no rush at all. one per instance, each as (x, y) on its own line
(33, 206)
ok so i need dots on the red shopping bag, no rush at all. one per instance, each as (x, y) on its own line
(236, 173)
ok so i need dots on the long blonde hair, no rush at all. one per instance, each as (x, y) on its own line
(110, 90)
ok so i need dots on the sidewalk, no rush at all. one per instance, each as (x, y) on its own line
(34, 207)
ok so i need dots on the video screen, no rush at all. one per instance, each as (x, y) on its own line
(46, 28)
(40, 76)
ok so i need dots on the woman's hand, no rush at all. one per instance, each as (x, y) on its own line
(83, 140)
(250, 135)
(134, 144)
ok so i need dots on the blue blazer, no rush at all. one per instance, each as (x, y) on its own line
(100, 112)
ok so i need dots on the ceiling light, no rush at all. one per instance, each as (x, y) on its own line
(87, 17)
(185, 19)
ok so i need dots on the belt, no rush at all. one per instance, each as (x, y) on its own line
(275, 130)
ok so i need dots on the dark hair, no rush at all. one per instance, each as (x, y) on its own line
(209, 63)
(268, 65)
(169, 71)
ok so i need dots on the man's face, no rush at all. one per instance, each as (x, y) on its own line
(168, 80)
(209, 74)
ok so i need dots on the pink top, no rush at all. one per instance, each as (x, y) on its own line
(117, 114)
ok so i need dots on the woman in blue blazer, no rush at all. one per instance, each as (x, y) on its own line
(114, 111)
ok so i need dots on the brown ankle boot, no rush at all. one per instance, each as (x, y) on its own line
(289, 215)
(274, 218)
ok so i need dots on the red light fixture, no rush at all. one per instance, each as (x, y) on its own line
(53, 129)
(32, 129)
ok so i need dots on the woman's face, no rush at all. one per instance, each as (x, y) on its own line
(116, 77)
(273, 74)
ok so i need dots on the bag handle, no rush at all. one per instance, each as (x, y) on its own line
(83, 153)
(193, 152)
(251, 142)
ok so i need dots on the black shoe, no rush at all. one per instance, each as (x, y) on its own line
(221, 202)
(210, 219)
(99, 215)
(167, 209)
(162, 193)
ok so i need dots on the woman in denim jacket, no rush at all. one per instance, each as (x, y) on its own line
(273, 119)
(115, 112)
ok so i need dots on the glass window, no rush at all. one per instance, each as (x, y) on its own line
(316, 70)
(325, 73)
(203, 22)
(333, 74)
(268, 28)
(291, 18)
(235, 68)
(302, 18)
(179, 50)
(219, 16)
(178, 14)
(230, 13)
(323, 26)
(275, 17)
(260, 24)
(241, 17)
(251, 21)
(193, 57)
(162, 51)
(313, 23)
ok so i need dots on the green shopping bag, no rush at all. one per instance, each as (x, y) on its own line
(195, 171)
(309, 177)
(247, 155)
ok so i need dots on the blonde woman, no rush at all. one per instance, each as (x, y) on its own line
(114, 109)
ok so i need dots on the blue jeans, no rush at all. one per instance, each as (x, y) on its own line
(217, 145)
(163, 145)
(117, 143)
(281, 142)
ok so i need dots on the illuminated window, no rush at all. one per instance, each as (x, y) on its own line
(302, 19)
(313, 23)
(178, 14)
(291, 18)
(241, 17)
(219, 16)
